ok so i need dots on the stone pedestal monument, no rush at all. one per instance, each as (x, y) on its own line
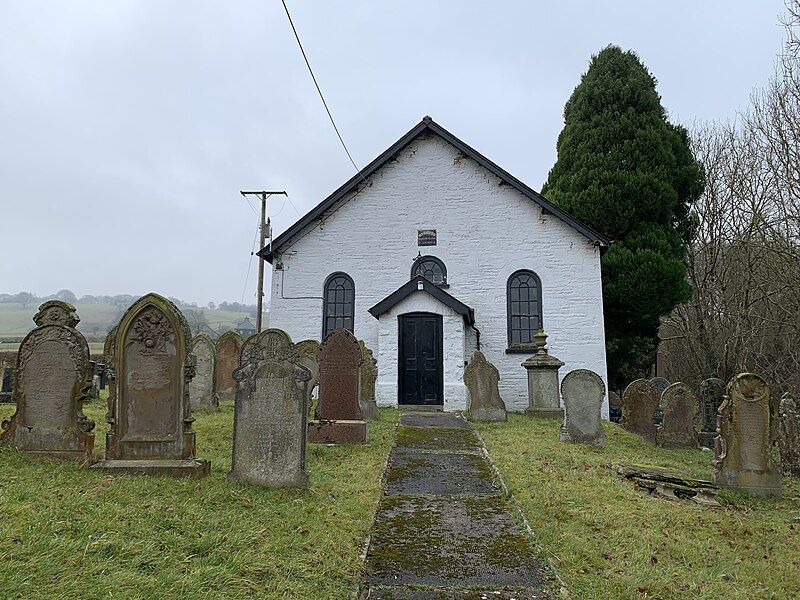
(482, 378)
(202, 394)
(746, 452)
(148, 403)
(369, 375)
(53, 379)
(338, 418)
(583, 392)
(543, 391)
(269, 423)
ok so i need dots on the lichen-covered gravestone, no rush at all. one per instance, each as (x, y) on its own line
(368, 375)
(269, 423)
(53, 379)
(582, 392)
(338, 418)
(308, 354)
(202, 396)
(711, 392)
(614, 407)
(482, 378)
(229, 347)
(789, 438)
(639, 402)
(681, 418)
(659, 385)
(746, 453)
(148, 404)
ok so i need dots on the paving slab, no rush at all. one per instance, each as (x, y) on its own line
(433, 419)
(405, 593)
(412, 472)
(439, 439)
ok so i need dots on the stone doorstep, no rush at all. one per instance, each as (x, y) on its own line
(194, 468)
(337, 432)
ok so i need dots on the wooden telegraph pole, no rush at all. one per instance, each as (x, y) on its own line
(262, 236)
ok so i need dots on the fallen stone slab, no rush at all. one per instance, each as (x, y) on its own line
(670, 485)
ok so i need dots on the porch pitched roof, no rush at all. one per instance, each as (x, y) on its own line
(405, 290)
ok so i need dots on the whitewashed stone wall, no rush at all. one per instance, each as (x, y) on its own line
(486, 230)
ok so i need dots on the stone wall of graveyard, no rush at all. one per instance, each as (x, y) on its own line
(485, 232)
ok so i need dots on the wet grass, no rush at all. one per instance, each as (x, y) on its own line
(609, 540)
(72, 533)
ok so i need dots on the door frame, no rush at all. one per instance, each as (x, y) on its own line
(440, 365)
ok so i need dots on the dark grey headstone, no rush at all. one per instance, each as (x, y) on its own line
(639, 402)
(712, 391)
(789, 438)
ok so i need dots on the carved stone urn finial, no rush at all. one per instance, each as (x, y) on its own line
(540, 340)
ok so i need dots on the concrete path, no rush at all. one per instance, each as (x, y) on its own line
(443, 529)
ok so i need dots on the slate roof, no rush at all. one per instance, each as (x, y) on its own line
(429, 125)
(405, 290)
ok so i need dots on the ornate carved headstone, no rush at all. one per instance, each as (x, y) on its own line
(202, 396)
(53, 379)
(746, 453)
(308, 353)
(582, 392)
(543, 390)
(369, 375)
(639, 402)
(660, 385)
(711, 392)
(269, 424)
(681, 418)
(229, 347)
(789, 437)
(482, 378)
(338, 418)
(148, 404)
(614, 407)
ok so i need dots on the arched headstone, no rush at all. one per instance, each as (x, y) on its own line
(202, 396)
(369, 375)
(269, 427)
(659, 385)
(582, 393)
(482, 378)
(308, 353)
(53, 379)
(681, 420)
(229, 347)
(148, 403)
(746, 457)
(338, 418)
(639, 402)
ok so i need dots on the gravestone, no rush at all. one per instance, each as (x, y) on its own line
(270, 417)
(53, 378)
(483, 399)
(369, 375)
(202, 396)
(308, 354)
(229, 347)
(338, 418)
(681, 418)
(746, 453)
(614, 407)
(582, 392)
(711, 392)
(660, 385)
(639, 402)
(789, 437)
(150, 362)
(543, 391)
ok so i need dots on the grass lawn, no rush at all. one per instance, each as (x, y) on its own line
(72, 533)
(609, 540)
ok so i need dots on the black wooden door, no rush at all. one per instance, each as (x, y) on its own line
(421, 360)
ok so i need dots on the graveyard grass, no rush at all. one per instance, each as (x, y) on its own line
(72, 533)
(609, 540)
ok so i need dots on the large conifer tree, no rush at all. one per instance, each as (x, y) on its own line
(629, 173)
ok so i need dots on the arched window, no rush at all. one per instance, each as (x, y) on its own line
(431, 268)
(524, 297)
(338, 303)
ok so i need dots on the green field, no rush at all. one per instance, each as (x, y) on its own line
(67, 532)
(609, 540)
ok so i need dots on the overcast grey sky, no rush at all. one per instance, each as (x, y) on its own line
(127, 128)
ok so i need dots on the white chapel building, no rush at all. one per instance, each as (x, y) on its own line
(432, 252)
